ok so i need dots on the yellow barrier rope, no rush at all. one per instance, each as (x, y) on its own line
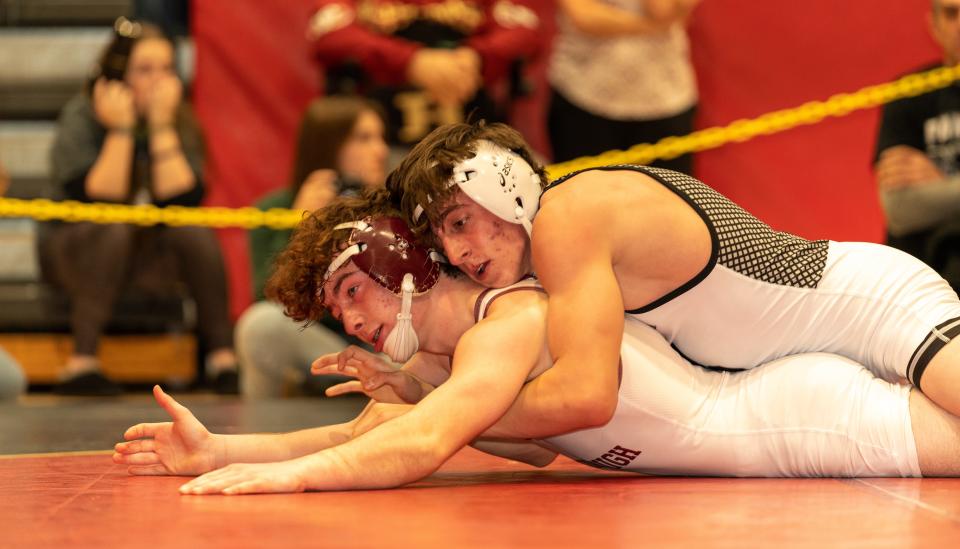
(72, 211)
(670, 147)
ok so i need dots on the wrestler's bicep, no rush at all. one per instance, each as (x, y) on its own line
(585, 318)
(585, 310)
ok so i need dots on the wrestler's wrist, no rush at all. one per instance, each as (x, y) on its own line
(221, 451)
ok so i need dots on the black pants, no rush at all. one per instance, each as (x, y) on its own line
(94, 263)
(575, 132)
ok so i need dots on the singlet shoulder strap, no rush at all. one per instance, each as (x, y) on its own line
(611, 167)
(491, 294)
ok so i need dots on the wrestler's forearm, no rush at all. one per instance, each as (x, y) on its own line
(269, 447)
(381, 458)
(410, 446)
(557, 402)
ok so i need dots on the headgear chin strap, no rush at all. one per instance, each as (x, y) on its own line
(385, 249)
(500, 181)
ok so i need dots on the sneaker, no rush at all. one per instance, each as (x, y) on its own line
(227, 382)
(88, 384)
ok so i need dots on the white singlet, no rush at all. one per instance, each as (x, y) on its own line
(765, 294)
(813, 415)
(800, 416)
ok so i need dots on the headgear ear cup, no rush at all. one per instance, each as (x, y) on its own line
(500, 181)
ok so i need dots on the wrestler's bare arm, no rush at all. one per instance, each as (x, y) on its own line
(573, 257)
(518, 450)
(603, 242)
(415, 444)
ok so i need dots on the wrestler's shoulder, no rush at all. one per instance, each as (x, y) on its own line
(597, 188)
(518, 298)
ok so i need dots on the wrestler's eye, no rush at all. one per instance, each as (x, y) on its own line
(352, 291)
(459, 223)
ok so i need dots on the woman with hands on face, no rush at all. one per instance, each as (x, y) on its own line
(130, 138)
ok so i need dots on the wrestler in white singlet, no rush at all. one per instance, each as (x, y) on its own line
(800, 416)
(765, 294)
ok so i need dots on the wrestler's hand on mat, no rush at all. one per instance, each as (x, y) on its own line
(181, 447)
(371, 373)
(251, 478)
(377, 413)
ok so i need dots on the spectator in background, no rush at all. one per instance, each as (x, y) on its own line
(917, 161)
(428, 62)
(620, 72)
(131, 139)
(340, 151)
(12, 381)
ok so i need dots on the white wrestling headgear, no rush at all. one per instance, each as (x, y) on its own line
(500, 181)
(385, 249)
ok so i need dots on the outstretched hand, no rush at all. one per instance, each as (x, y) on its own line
(181, 447)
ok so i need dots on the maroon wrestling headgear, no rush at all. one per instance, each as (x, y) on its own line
(386, 250)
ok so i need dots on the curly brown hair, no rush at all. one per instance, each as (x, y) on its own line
(423, 176)
(299, 269)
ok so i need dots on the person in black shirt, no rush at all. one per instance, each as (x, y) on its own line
(917, 161)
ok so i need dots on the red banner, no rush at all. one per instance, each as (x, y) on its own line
(755, 57)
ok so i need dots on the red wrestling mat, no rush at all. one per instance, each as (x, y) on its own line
(474, 501)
